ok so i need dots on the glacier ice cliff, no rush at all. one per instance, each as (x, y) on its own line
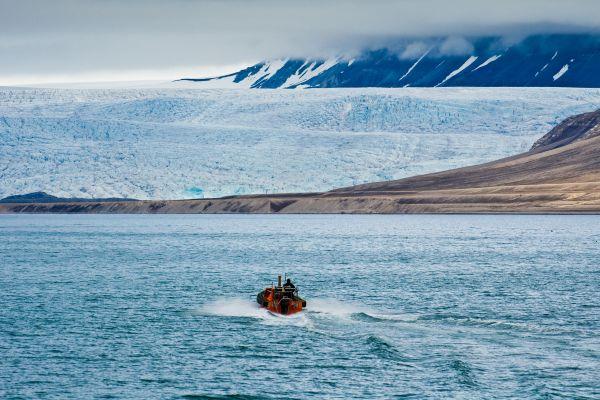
(185, 143)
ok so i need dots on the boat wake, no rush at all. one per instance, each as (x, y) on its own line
(317, 310)
(345, 310)
(242, 308)
(334, 307)
(233, 308)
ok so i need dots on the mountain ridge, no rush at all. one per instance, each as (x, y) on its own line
(558, 60)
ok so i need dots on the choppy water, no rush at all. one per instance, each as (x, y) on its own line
(399, 306)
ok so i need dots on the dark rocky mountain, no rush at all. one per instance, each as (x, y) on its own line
(536, 61)
(43, 197)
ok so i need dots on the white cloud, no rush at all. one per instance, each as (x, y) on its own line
(415, 50)
(455, 46)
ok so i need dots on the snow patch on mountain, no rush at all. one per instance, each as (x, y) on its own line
(488, 61)
(305, 74)
(267, 71)
(414, 65)
(457, 71)
(561, 72)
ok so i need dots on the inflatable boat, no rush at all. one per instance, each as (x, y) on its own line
(281, 299)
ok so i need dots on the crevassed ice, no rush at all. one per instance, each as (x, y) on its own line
(179, 143)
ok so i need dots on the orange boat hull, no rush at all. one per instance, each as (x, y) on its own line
(278, 304)
(293, 307)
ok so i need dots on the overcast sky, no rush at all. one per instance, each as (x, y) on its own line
(100, 40)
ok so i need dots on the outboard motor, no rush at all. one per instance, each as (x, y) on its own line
(284, 305)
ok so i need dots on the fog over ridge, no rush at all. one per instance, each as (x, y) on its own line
(111, 38)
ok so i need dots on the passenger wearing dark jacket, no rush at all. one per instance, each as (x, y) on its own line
(289, 285)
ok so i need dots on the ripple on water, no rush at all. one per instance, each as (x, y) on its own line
(464, 373)
(423, 306)
(384, 348)
(232, 396)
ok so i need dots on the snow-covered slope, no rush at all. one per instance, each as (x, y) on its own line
(536, 61)
(179, 143)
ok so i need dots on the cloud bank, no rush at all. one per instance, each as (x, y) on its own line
(151, 38)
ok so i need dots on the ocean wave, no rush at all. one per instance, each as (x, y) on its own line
(383, 348)
(501, 324)
(238, 396)
(464, 372)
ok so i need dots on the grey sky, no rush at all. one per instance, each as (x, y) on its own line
(42, 40)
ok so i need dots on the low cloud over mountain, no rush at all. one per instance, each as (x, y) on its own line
(122, 39)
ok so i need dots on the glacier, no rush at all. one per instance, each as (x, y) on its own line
(174, 143)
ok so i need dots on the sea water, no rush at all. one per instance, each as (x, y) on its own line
(163, 306)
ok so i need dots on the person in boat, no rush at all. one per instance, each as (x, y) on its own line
(288, 285)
